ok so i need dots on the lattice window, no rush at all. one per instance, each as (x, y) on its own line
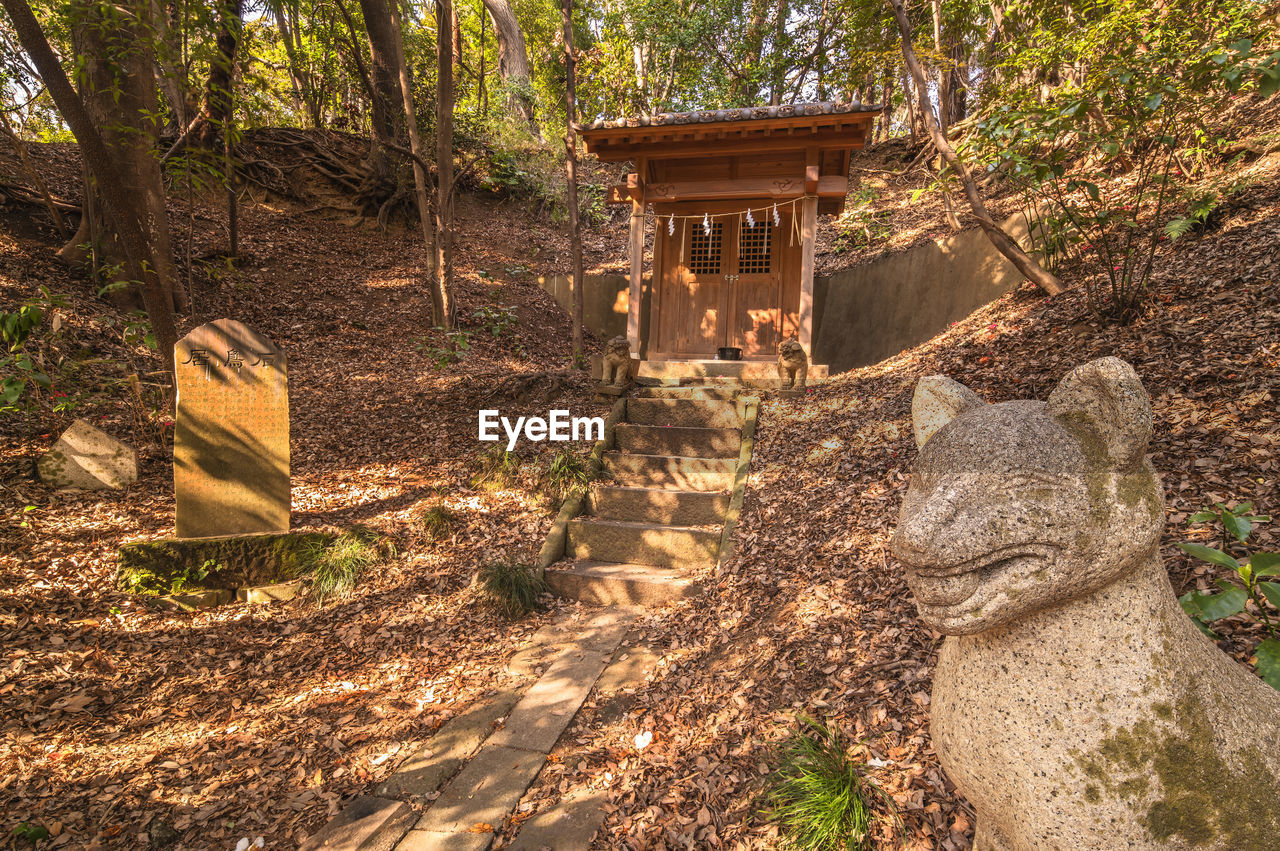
(753, 248)
(704, 249)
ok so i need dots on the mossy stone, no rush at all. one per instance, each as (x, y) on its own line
(156, 567)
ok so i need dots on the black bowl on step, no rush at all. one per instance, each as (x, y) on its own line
(728, 353)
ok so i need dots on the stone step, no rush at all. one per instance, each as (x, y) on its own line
(686, 441)
(703, 413)
(744, 373)
(726, 393)
(665, 471)
(658, 505)
(591, 538)
(609, 584)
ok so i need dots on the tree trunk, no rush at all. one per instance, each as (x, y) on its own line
(1002, 242)
(911, 109)
(571, 168)
(442, 294)
(415, 145)
(117, 71)
(215, 114)
(383, 76)
(513, 59)
(302, 82)
(944, 76)
(887, 112)
(124, 215)
(168, 64)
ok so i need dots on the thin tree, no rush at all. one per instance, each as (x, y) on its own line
(441, 294)
(109, 181)
(571, 168)
(513, 59)
(415, 141)
(1003, 243)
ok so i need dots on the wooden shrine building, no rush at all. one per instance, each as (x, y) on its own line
(735, 195)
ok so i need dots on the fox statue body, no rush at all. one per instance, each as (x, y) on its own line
(1075, 704)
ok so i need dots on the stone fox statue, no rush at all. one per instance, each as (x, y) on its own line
(615, 368)
(793, 363)
(1074, 704)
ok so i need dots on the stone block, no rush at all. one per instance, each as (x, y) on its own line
(231, 443)
(87, 458)
(484, 793)
(269, 593)
(426, 840)
(568, 826)
(446, 751)
(195, 599)
(364, 824)
(549, 705)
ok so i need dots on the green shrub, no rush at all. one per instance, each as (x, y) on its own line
(818, 795)
(861, 224)
(337, 566)
(511, 586)
(1248, 584)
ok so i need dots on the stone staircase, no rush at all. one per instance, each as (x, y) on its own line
(658, 514)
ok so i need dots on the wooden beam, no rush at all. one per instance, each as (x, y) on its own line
(812, 168)
(762, 188)
(808, 229)
(637, 255)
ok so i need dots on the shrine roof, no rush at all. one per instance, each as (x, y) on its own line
(787, 127)
(749, 113)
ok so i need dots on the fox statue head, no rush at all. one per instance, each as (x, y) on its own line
(1020, 506)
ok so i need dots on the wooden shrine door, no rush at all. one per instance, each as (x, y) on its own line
(722, 288)
(701, 284)
(755, 290)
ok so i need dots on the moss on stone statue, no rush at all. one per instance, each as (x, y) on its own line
(1201, 797)
(177, 564)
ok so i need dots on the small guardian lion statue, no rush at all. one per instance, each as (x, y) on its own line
(615, 367)
(793, 363)
(1075, 704)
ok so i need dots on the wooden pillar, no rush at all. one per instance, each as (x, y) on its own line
(634, 294)
(808, 231)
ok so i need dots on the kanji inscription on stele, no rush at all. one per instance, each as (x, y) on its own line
(231, 442)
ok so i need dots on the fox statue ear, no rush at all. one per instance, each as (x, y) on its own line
(937, 400)
(1107, 397)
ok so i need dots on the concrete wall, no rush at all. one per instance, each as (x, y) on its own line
(874, 311)
(861, 315)
(604, 302)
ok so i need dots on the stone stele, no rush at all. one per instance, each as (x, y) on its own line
(88, 459)
(1074, 704)
(231, 442)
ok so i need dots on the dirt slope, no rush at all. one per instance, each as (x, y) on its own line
(813, 615)
(115, 721)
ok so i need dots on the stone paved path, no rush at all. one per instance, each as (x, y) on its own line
(677, 464)
(473, 772)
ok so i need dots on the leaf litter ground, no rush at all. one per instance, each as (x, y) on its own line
(118, 723)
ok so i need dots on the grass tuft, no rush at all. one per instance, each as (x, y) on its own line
(512, 587)
(436, 522)
(567, 471)
(499, 469)
(336, 566)
(819, 796)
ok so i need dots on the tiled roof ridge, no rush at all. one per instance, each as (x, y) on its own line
(709, 116)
